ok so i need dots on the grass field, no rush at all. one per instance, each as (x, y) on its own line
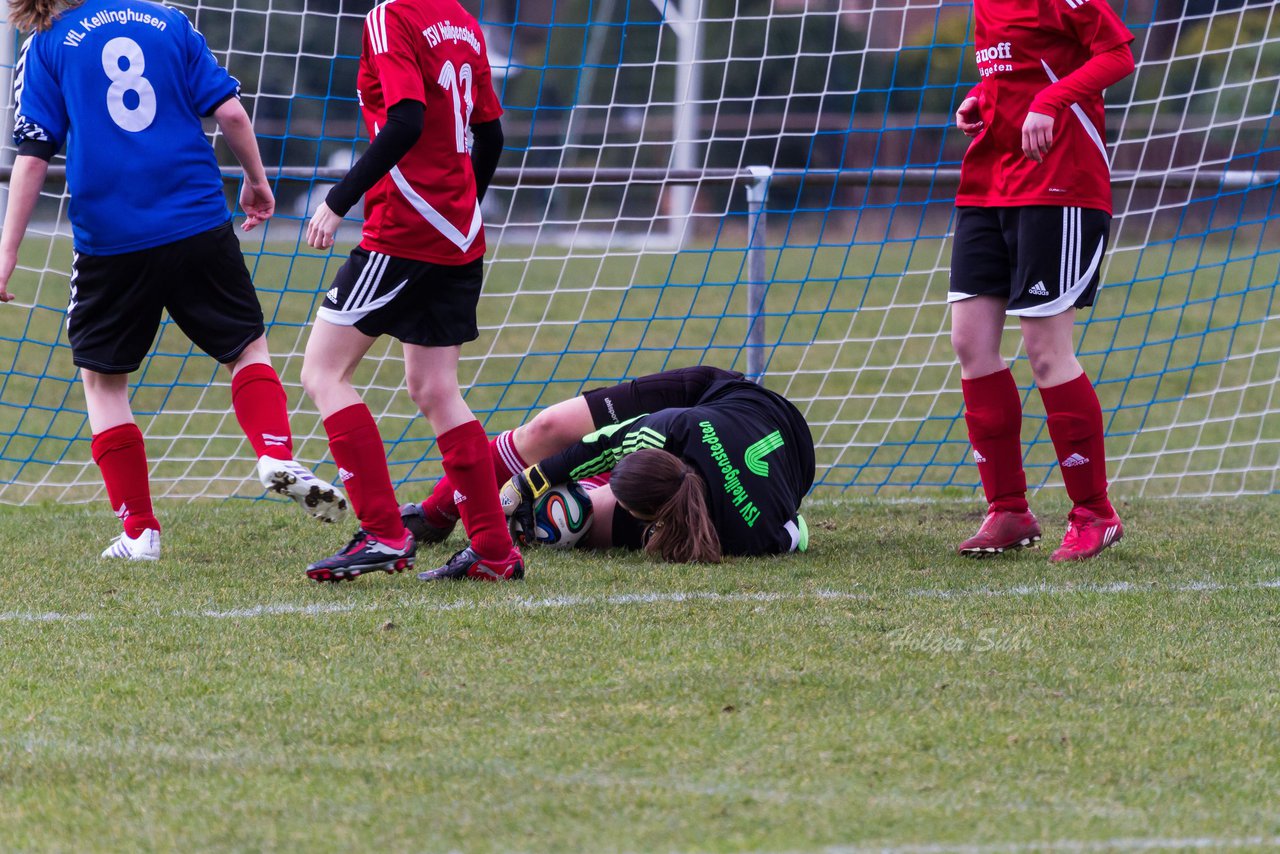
(877, 692)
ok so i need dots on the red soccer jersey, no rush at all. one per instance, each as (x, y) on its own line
(1024, 46)
(431, 51)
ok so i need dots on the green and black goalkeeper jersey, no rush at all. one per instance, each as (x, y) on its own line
(751, 446)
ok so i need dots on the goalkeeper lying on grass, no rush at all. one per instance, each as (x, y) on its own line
(691, 465)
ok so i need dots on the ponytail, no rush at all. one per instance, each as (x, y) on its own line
(36, 15)
(663, 489)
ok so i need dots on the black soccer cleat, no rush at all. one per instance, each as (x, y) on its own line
(423, 530)
(365, 553)
(468, 564)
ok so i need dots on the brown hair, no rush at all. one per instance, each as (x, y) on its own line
(36, 15)
(661, 488)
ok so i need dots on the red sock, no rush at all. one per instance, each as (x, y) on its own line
(357, 449)
(507, 461)
(122, 458)
(993, 413)
(469, 467)
(442, 509)
(1075, 426)
(262, 410)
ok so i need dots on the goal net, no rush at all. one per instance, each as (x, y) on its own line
(763, 186)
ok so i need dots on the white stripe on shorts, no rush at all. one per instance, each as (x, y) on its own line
(368, 282)
(1072, 280)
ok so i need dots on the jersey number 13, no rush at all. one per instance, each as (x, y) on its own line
(457, 82)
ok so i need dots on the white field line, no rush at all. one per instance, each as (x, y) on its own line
(35, 617)
(285, 759)
(1068, 846)
(317, 609)
(243, 759)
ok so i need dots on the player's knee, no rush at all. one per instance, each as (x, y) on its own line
(555, 428)
(1040, 360)
(976, 355)
(1052, 366)
(422, 396)
(548, 428)
(430, 395)
(315, 379)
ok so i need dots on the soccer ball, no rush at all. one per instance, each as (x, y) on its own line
(562, 516)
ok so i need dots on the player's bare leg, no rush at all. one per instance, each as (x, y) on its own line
(1050, 343)
(330, 360)
(977, 326)
(553, 429)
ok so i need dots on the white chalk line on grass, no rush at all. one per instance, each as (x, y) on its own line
(242, 759)
(316, 609)
(288, 760)
(1139, 843)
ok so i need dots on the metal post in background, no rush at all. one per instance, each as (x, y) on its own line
(685, 20)
(757, 287)
(8, 57)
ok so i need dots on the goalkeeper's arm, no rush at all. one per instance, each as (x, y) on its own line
(596, 453)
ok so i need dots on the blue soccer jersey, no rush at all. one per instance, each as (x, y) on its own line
(123, 84)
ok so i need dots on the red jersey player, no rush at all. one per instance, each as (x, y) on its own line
(1033, 214)
(424, 82)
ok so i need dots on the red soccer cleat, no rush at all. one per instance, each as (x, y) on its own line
(468, 564)
(1087, 535)
(1000, 532)
(365, 553)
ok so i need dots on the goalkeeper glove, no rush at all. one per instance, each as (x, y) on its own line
(519, 496)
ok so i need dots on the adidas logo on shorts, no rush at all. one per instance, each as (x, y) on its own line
(977, 457)
(1039, 289)
(1074, 460)
(332, 296)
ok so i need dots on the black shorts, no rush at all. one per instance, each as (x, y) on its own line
(416, 302)
(681, 387)
(117, 300)
(1042, 260)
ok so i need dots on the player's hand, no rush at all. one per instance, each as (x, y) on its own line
(257, 202)
(518, 497)
(969, 117)
(323, 226)
(1037, 136)
(8, 263)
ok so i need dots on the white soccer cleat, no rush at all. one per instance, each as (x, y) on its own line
(322, 500)
(145, 546)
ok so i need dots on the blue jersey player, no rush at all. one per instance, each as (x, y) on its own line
(123, 85)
